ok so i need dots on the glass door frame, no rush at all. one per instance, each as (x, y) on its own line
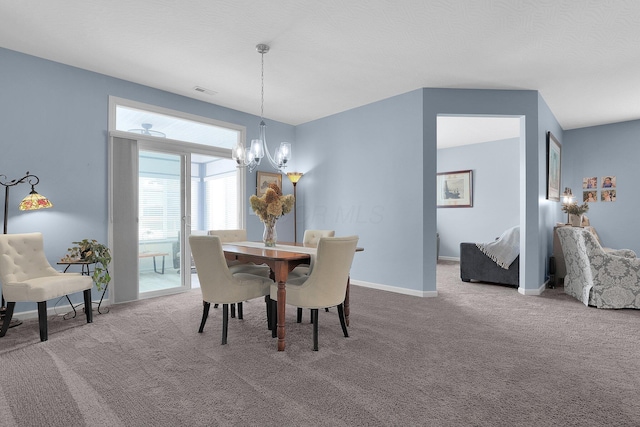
(185, 213)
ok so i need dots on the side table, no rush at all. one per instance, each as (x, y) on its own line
(85, 271)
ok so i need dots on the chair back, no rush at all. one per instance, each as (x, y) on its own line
(577, 243)
(311, 237)
(327, 282)
(239, 235)
(22, 258)
(216, 281)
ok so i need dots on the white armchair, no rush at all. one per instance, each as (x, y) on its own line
(27, 276)
(597, 277)
(219, 285)
(326, 285)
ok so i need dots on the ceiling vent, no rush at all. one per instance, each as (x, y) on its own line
(203, 90)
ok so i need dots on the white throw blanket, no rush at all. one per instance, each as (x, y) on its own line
(504, 250)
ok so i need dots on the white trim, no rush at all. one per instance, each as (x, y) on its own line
(534, 292)
(62, 310)
(395, 289)
(114, 100)
(449, 258)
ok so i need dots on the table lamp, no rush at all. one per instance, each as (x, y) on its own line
(567, 199)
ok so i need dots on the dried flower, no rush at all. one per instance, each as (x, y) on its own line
(575, 209)
(272, 204)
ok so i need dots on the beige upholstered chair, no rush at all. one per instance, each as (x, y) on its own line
(27, 276)
(326, 285)
(311, 238)
(239, 235)
(219, 285)
(597, 277)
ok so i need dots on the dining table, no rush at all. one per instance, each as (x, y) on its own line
(281, 258)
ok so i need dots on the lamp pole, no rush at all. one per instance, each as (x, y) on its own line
(33, 201)
(294, 177)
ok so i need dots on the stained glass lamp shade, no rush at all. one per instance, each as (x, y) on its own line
(34, 201)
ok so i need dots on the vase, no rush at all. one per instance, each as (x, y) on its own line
(575, 220)
(270, 236)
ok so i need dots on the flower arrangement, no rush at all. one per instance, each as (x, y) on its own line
(92, 251)
(269, 207)
(575, 209)
(272, 204)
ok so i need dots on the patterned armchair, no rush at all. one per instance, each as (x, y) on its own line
(599, 278)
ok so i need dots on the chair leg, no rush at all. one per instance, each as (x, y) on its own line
(225, 322)
(88, 308)
(205, 314)
(8, 314)
(299, 315)
(267, 303)
(314, 319)
(274, 318)
(342, 320)
(240, 310)
(233, 311)
(42, 320)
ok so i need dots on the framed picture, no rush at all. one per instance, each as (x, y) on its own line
(455, 189)
(590, 182)
(608, 181)
(554, 152)
(263, 179)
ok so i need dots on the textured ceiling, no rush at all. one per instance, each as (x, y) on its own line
(333, 55)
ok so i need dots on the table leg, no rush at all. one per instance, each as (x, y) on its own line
(346, 301)
(281, 273)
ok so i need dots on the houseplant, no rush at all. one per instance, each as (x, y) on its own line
(269, 207)
(93, 252)
(575, 212)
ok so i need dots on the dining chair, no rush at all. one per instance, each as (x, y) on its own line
(310, 238)
(219, 285)
(325, 286)
(27, 276)
(239, 235)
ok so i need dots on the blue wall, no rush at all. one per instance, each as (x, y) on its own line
(496, 193)
(53, 123)
(368, 171)
(362, 175)
(612, 149)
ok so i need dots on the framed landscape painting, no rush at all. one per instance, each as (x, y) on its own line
(554, 152)
(455, 189)
(263, 179)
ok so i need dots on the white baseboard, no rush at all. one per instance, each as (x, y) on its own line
(395, 289)
(533, 292)
(59, 310)
(449, 258)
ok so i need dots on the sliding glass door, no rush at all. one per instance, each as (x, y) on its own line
(161, 209)
(179, 193)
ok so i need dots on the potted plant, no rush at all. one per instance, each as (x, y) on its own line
(575, 212)
(91, 251)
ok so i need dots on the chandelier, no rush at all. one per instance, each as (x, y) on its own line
(250, 157)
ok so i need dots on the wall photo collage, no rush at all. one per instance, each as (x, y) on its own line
(606, 185)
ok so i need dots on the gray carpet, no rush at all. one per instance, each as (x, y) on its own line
(477, 355)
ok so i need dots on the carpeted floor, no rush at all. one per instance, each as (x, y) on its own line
(477, 355)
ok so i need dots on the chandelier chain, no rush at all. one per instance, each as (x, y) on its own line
(262, 87)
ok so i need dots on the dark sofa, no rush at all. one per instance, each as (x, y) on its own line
(475, 265)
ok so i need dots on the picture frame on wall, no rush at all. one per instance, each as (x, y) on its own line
(263, 179)
(455, 189)
(554, 158)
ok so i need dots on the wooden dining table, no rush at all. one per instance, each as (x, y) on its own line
(281, 259)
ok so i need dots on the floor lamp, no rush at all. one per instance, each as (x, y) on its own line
(294, 177)
(32, 202)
